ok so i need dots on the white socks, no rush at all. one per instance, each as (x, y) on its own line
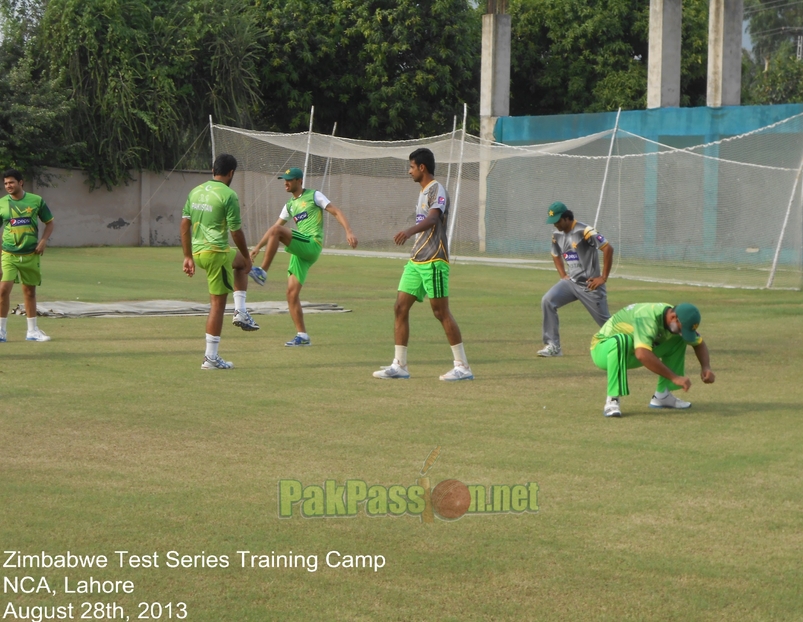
(304, 336)
(662, 394)
(239, 301)
(400, 355)
(212, 344)
(31, 324)
(459, 355)
(3, 322)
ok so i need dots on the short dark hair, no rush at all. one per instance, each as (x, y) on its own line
(12, 172)
(567, 214)
(424, 156)
(224, 164)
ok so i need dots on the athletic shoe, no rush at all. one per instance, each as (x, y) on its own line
(215, 362)
(36, 335)
(393, 372)
(298, 341)
(670, 401)
(550, 350)
(258, 275)
(612, 407)
(2, 336)
(244, 320)
(458, 373)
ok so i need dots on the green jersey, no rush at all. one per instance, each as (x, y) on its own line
(20, 220)
(645, 321)
(213, 209)
(306, 210)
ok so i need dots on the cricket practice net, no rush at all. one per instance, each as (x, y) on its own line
(725, 214)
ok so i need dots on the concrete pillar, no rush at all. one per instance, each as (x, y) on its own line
(144, 208)
(494, 91)
(663, 62)
(725, 53)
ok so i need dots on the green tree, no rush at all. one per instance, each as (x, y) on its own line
(572, 56)
(33, 108)
(382, 69)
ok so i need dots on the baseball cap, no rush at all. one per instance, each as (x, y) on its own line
(555, 212)
(292, 173)
(689, 317)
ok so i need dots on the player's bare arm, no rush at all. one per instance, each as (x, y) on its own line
(701, 352)
(558, 261)
(656, 366)
(40, 248)
(433, 216)
(341, 218)
(607, 262)
(186, 246)
(280, 222)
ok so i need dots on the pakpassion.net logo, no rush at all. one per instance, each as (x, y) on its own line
(450, 499)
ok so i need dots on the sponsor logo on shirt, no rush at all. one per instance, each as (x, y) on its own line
(571, 256)
(600, 238)
(20, 222)
(441, 200)
(299, 217)
(419, 218)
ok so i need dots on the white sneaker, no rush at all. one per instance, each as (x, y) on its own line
(215, 362)
(670, 401)
(244, 320)
(35, 335)
(611, 408)
(2, 336)
(550, 350)
(458, 373)
(393, 372)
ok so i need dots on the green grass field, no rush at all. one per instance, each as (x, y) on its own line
(112, 438)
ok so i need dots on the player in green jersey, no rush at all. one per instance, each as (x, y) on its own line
(304, 243)
(653, 335)
(20, 213)
(211, 212)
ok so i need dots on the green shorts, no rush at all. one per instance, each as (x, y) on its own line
(304, 251)
(219, 273)
(22, 268)
(430, 278)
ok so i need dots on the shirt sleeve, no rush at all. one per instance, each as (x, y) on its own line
(44, 213)
(233, 213)
(285, 215)
(594, 239)
(187, 211)
(436, 198)
(321, 200)
(555, 248)
(645, 331)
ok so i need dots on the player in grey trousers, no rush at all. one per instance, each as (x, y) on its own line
(576, 244)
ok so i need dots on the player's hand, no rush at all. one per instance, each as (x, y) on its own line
(189, 266)
(683, 382)
(40, 248)
(707, 376)
(594, 283)
(351, 240)
(254, 254)
(401, 237)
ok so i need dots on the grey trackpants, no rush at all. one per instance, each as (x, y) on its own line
(564, 292)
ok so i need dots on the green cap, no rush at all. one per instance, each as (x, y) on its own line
(555, 212)
(689, 317)
(292, 173)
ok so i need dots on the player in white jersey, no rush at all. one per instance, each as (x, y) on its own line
(427, 272)
(577, 245)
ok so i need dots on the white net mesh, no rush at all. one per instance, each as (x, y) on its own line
(728, 213)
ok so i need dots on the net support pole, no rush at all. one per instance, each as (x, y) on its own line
(212, 134)
(451, 152)
(771, 278)
(607, 167)
(309, 142)
(453, 218)
(325, 175)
